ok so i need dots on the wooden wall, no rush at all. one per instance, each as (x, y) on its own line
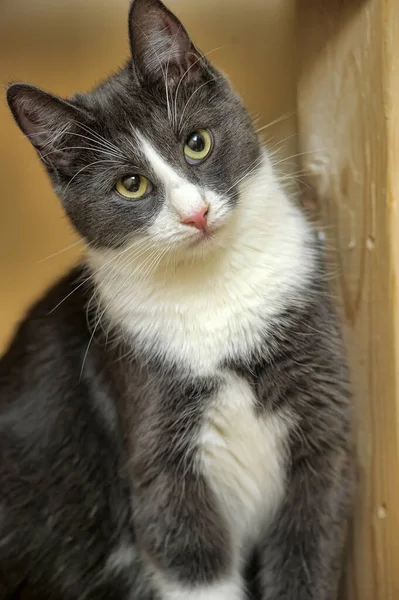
(348, 103)
(68, 45)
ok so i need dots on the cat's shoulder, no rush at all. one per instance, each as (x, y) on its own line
(50, 332)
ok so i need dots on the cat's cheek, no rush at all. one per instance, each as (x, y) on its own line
(167, 229)
(220, 209)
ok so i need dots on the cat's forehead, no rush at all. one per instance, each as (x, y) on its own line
(164, 111)
(126, 113)
(158, 153)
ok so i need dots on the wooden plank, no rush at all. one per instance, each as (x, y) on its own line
(348, 118)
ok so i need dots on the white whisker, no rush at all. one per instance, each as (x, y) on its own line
(194, 92)
(161, 67)
(104, 160)
(254, 165)
(275, 121)
(78, 243)
(186, 72)
(124, 283)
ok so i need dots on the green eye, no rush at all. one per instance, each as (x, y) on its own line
(197, 146)
(133, 186)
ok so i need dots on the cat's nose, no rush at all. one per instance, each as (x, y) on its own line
(197, 219)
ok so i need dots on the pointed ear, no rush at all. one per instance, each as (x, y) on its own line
(160, 45)
(48, 122)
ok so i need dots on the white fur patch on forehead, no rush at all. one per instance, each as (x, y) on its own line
(182, 197)
(169, 177)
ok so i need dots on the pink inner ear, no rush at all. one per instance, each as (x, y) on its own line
(40, 132)
(32, 128)
(46, 120)
(176, 39)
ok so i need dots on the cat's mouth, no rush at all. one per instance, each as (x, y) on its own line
(205, 236)
(202, 237)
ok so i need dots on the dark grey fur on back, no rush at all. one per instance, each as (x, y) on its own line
(105, 488)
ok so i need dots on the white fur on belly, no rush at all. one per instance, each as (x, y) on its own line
(242, 454)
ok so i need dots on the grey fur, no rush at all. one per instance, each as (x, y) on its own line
(97, 474)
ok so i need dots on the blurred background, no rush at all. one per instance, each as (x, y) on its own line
(69, 45)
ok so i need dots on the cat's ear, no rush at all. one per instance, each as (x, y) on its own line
(161, 48)
(48, 122)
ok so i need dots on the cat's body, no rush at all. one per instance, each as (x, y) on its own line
(175, 416)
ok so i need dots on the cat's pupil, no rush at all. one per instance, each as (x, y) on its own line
(196, 142)
(132, 183)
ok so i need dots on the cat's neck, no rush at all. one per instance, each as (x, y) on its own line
(201, 311)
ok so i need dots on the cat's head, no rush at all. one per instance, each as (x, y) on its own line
(156, 152)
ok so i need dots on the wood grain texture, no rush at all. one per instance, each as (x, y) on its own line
(348, 118)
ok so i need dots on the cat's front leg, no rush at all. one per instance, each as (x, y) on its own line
(186, 539)
(302, 554)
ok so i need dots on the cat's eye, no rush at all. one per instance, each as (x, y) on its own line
(133, 186)
(197, 147)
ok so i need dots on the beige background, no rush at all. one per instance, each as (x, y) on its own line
(69, 45)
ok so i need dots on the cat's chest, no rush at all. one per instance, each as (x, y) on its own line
(242, 455)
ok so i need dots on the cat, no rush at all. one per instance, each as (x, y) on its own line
(175, 413)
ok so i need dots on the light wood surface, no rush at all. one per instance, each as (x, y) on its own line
(348, 103)
(69, 45)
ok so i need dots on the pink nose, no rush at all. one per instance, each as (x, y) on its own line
(197, 219)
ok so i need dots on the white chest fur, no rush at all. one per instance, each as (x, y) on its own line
(242, 454)
(199, 317)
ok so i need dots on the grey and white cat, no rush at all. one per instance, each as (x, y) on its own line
(175, 420)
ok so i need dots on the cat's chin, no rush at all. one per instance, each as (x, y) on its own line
(198, 247)
(203, 238)
(206, 241)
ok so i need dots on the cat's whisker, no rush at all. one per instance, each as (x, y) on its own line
(65, 132)
(279, 144)
(100, 268)
(96, 162)
(167, 264)
(193, 115)
(88, 307)
(114, 272)
(186, 72)
(110, 149)
(298, 154)
(75, 289)
(254, 165)
(160, 65)
(170, 113)
(297, 173)
(191, 96)
(139, 248)
(53, 137)
(77, 243)
(44, 156)
(102, 140)
(154, 265)
(275, 121)
(124, 283)
(117, 155)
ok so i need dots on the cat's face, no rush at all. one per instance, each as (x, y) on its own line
(156, 152)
